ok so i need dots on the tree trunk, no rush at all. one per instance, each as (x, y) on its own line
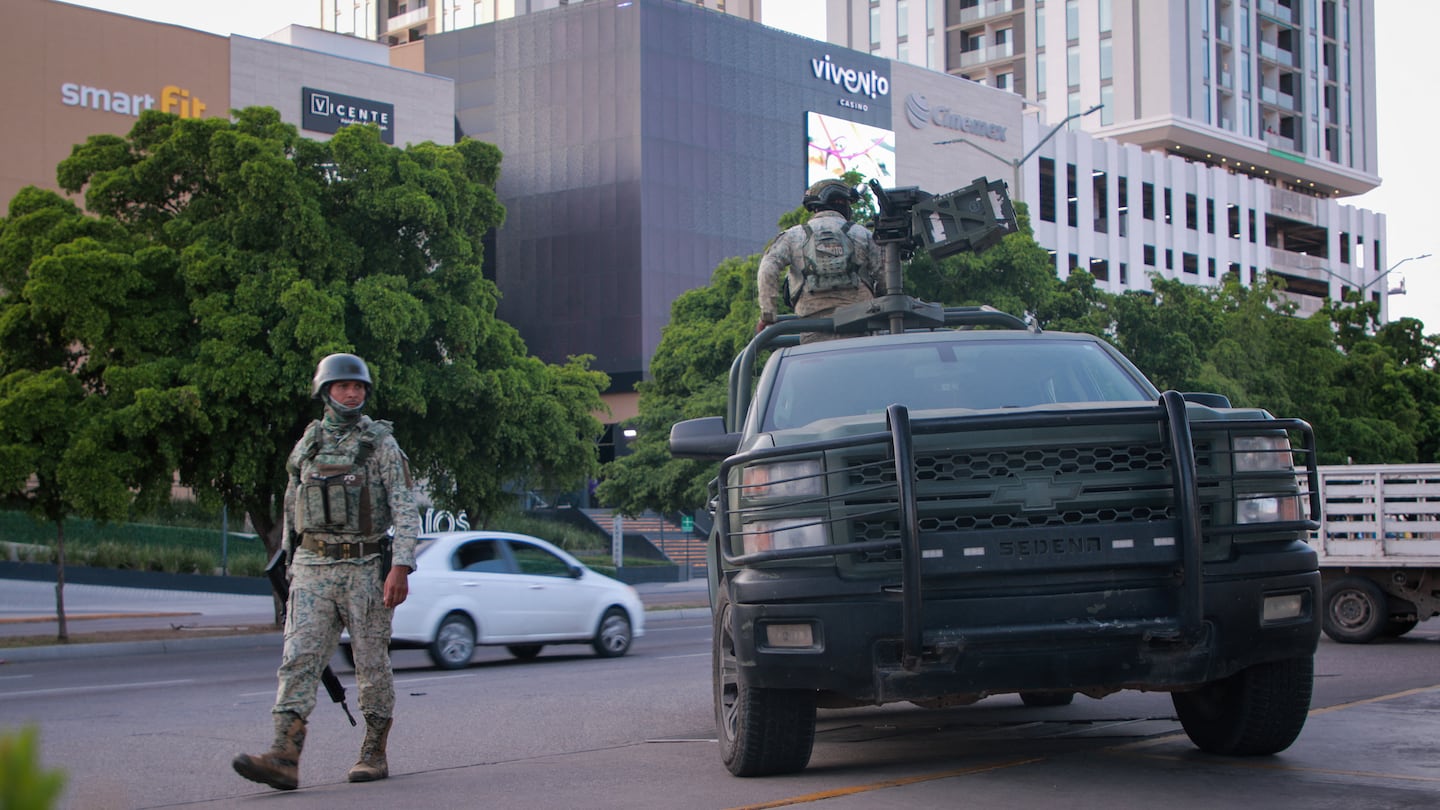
(60, 580)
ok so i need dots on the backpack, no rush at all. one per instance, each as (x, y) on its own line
(830, 262)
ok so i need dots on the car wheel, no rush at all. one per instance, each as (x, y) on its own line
(1037, 700)
(761, 731)
(525, 651)
(1255, 712)
(454, 643)
(1356, 610)
(613, 636)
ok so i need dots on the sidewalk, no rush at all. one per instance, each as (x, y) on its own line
(198, 620)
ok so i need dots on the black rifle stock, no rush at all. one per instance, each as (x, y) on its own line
(275, 570)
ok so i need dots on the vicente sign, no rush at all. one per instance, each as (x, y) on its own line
(323, 111)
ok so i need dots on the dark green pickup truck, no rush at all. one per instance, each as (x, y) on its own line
(976, 507)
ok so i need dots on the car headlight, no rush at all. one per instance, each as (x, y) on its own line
(782, 479)
(1262, 453)
(770, 535)
(1267, 508)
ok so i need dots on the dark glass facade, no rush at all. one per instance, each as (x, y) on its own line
(644, 143)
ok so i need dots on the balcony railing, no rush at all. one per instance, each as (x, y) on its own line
(981, 55)
(990, 8)
(407, 19)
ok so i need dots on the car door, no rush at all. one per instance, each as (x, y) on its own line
(481, 577)
(555, 604)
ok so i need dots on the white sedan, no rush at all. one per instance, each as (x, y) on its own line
(498, 588)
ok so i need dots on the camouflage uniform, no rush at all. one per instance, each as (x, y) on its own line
(788, 250)
(328, 595)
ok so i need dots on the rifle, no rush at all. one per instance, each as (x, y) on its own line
(275, 570)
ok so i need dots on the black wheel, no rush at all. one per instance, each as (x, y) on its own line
(1254, 712)
(613, 636)
(1356, 610)
(1043, 699)
(762, 731)
(1395, 628)
(454, 643)
(525, 651)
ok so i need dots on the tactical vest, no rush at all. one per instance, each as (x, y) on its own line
(830, 262)
(337, 493)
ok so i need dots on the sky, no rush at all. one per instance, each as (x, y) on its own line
(1408, 120)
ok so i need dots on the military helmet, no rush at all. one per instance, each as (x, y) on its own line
(336, 367)
(832, 194)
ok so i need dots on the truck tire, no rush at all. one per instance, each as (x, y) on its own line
(1356, 610)
(762, 732)
(1396, 628)
(1255, 712)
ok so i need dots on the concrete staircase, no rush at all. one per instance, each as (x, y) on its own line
(682, 547)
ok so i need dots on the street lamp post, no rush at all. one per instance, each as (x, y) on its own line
(1017, 190)
(1372, 282)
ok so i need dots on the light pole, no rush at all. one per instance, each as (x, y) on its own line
(1372, 282)
(1017, 191)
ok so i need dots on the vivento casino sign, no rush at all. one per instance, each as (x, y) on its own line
(869, 84)
(323, 111)
(919, 114)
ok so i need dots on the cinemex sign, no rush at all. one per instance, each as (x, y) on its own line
(869, 84)
(919, 114)
(324, 111)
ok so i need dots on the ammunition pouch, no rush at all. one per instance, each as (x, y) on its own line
(335, 499)
(345, 551)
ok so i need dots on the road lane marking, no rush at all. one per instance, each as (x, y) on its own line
(111, 687)
(855, 790)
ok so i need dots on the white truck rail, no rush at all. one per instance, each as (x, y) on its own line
(1379, 548)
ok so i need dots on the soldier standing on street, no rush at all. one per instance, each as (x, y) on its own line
(349, 486)
(833, 262)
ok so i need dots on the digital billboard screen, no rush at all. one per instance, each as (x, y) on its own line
(835, 146)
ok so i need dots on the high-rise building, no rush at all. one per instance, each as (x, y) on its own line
(1270, 104)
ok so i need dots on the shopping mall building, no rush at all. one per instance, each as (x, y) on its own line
(646, 141)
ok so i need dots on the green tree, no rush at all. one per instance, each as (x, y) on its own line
(238, 254)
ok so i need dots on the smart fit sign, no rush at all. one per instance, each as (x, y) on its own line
(173, 99)
(324, 111)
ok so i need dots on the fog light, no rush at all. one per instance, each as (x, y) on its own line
(789, 635)
(1282, 607)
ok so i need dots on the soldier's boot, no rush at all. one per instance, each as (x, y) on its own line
(372, 764)
(280, 766)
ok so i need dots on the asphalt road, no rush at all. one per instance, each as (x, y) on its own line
(569, 730)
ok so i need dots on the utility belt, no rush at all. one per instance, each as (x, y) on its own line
(341, 550)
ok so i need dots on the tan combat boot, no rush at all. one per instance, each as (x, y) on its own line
(280, 766)
(372, 764)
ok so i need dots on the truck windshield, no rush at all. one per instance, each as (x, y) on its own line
(963, 374)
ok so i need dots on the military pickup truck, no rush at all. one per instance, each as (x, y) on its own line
(947, 504)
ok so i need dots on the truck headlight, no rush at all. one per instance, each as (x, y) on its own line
(1262, 453)
(770, 535)
(782, 479)
(1267, 508)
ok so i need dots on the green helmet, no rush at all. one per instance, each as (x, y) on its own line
(336, 367)
(831, 194)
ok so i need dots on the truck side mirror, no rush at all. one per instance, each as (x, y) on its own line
(704, 438)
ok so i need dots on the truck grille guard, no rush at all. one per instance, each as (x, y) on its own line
(1169, 413)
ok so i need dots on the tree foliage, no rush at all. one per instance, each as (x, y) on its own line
(219, 261)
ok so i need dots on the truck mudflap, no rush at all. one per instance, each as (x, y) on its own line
(1178, 634)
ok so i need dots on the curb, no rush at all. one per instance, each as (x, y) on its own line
(16, 655)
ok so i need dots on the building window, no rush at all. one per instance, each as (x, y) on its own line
(1169, 259)
(1232, 213)
(1234, 271)
(1210, 216)
(1210, 267)
(1192, 212)
(902, 17)
(1107, 60)
(1100, 196)
(1147, 201)
(1003, 42)
(932, 15)
(1005, 81)
(1047, 189)
(1104, 16)
(874, 27)
(1122, 210)
(1107, 112)
(1148, 253)
(1100, 269)
(1040, 75)
(1124, 274)
(1252, 226)
(1169, 207)
(1072, 196)
(1072, 65)
(1072, 19)
(902, 51)
(1345, 248)
(1040, 26)
(1190, 263)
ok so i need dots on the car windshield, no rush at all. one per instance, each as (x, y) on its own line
(971, 374)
